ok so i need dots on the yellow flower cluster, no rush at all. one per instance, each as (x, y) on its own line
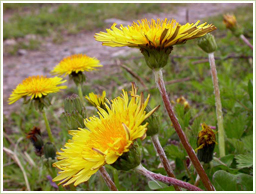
(105, 138)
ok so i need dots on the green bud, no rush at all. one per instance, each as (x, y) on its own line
(78, 78)
(49, 151)
(129, 160)
(156, 57)
(72, 103)
(74, 113)
(153, 123)
(41, 103)
(207, 43)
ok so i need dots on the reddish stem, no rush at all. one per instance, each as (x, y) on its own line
(168, 180)
(179, 131)
(246, 41)
(159, 149)
(107, 179)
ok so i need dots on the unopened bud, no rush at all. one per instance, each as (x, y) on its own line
(78, 78)
(230, 22)
(49, 151)
(156, 58)
(207, 43)
(129, 160)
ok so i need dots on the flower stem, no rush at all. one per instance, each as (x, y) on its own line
(221, 133)
(163, 158)
(47, 127)
(191, 153)
(169, 180)
(80, 93)
(107, 179)
(246, 41)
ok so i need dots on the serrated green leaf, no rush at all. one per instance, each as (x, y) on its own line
(155, 185)
(244, 160)
(238, 145)
(235, 128)
(248, 142)
(224, 181)
(228, 159)
(250, 90)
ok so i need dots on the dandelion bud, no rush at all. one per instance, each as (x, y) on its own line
(129, 160)
(72, 103)
(78, 78)
(156, 58)
(230, 22)
(207, 43)
(49, 151)
(205, 142)
(35, 137)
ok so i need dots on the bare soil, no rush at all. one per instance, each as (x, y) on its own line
(42, 61)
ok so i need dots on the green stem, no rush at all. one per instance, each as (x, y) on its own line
(80, 93)
(47, 126)
(221, 132)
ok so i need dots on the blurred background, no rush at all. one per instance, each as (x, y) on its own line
(36, 37)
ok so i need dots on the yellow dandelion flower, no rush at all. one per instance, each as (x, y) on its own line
(156, 34)
(97, 100)
(181, 100)
(229, 20)
(76, 63)
(36, 87)
(106, 138)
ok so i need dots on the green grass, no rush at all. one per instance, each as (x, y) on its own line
(234, 75)
(73, 18)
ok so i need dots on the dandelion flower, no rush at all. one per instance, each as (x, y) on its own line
(97, 100)
(75, 64)
(105, 139)
(36, 87)
(157, 34)
(229, 20)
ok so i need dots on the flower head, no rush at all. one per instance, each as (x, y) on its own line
(156, 34)
(36, 87)
(105, 139)
(229, 20)
(206, 142)
(97, 100)
(76, 63)
(181, 100)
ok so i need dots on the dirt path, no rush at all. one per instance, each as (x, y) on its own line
(16, 68)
